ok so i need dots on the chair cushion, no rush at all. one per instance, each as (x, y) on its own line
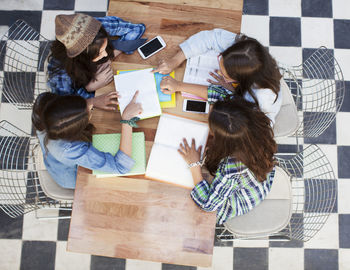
(270, 216)
(287, 120)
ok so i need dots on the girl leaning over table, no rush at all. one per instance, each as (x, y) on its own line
(65, 135)
(240, 156)
(246, 70)
(81, 55)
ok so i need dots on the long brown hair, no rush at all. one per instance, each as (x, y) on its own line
(249, 63)
(62, 117)
(81, 68)
(243, 132)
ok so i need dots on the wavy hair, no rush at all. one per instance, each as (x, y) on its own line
(242, 131)
(81, 69)
(251, 65)
(62, 117)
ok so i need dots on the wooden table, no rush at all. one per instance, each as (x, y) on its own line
(133, 217)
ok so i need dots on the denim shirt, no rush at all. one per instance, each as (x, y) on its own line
(63, 158)
(219, 40)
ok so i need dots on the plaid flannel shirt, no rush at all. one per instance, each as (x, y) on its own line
(60, 82)
(234, 190)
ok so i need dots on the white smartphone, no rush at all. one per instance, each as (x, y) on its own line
(195, 106)
(151, 47)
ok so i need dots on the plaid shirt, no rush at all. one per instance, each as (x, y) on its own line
(60, 82)
(234, 190)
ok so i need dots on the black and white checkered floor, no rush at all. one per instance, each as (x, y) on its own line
(291, 29)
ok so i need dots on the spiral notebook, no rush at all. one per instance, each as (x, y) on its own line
(110, 143)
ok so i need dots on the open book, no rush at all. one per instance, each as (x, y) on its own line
(143, 80)
(165, 163)
(198, 68)
(110, 143)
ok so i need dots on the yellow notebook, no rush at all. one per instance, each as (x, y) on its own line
(166, 101)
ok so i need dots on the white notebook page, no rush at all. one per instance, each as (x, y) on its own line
(143, 80)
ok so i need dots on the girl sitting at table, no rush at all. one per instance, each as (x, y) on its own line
(240, 157)
(246, 70)
(80, 59)
(65, 135)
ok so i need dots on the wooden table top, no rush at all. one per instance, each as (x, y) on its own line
(131, 217)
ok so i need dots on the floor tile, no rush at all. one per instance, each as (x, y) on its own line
(69, 260)
(320, 259)
(329, 136)
(344, 258)
(344, 161)
(59, 5)
(38, 255)
(286, 259)
(144, 265)
(19, 118)
(256, 27)
(11, 228)
(343, 58)
(285, 8)
(317, 32)
(343, 196)
(106, 263)
(222, 259)
(22, 5)
(166, 266)
(331, 153)
(341, 34)
(250, 258)
(316, 8)
(346, 102)
(251, 243)
(48, 22)
(285, 31)
(33, 18)
(40, 229)
(311, 64)
(91, 5)
(10, 254)
(327, 237)
(251, 7)
(341, 9)
(282, 55)
(344, 232)
(92, 13)
(343, 131)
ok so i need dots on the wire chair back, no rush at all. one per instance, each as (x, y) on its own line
(20, 190)
(319, 92)
(23, 52)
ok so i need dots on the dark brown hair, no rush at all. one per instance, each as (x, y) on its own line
(62, 117)
(243, 132)
(80, 68)
(249, 63)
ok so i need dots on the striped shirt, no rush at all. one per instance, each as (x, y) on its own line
(61, 83)
(234, 190)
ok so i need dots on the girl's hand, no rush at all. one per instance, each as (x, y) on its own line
(220, 81)
(116, 53)
(133, 109)
(103, 76)
(190, 154)
(169, 85)
(165, 66)
(106, 101)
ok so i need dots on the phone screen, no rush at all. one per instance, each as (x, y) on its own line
(151, 47)
(196, 106)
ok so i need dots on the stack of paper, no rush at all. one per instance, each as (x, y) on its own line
(165, 163)
(110, 143)
(143, 80)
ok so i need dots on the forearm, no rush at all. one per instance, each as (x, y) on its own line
(178, 58)
(126, 139)
(195, 89)
(196, 174)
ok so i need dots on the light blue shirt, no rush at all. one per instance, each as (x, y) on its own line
(219, 40)
(63, 158)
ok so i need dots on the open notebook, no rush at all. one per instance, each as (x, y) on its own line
(143, 80)
(110, 143)
(165, 163)
(198, 68)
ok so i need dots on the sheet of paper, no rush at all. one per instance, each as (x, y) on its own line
(143, 80)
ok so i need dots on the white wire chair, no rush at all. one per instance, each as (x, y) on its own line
(20, 188)
(318, 88)
(24, 52)
(314, 194)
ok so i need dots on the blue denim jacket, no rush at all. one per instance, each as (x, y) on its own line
(63, 158)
